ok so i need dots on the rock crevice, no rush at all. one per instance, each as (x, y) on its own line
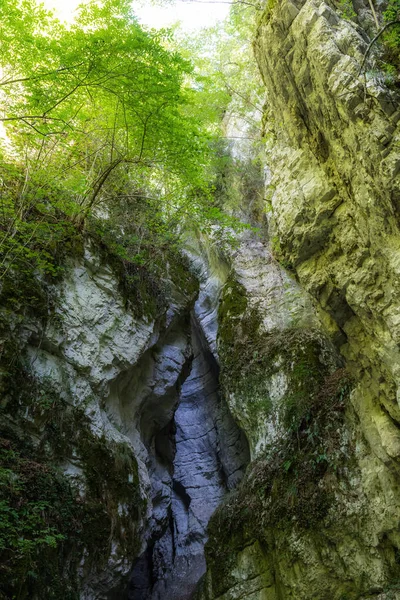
(207, 457)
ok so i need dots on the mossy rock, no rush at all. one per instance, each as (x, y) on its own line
(253, 361)
(48, 523)
(287, 487)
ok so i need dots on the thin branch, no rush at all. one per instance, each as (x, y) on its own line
(33, 78)
(372, 42)
(101, 181)
(44, 117)
(36, 129)
(229, 87)
(61, 100)
(114, 130)
(237, 137)
(374, 13)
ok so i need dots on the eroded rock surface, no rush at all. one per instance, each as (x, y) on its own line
(140, 429)
(202, 456)
(210, 454)
(332, 203)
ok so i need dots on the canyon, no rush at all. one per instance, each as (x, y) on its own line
(243, 441)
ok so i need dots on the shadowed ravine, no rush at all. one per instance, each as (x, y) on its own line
(197, 457)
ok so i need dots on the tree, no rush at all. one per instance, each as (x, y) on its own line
(92, 111)
(88, 101)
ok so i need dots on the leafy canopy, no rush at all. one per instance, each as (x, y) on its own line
(94, 111)
(86, 101)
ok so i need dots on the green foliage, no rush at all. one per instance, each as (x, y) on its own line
(144, 250)
(95, 111)
(391, 38)
(35, 238)
(45, 522)
(233, 93)
(288, 486)
(99, 99)
(346, 9)
(38, 515)
(392, 13)
(390, 73)
(239, 183)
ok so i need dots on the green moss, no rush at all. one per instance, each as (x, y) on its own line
(287, 487)
(265, 16)
(47, 523)
(181, 275)
(249, 358)
(391, 39)
(36, 236)
(112, 479)
(147, 262)
(279, 254)
(346, 9)
(40, 522)
(232, 307)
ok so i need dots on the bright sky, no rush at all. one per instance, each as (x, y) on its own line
(64, 8)
(192, 15)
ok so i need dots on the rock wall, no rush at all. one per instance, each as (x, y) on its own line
(128, 409)
(209, 457)
(288, 355)
(199, 455)
(318, 514)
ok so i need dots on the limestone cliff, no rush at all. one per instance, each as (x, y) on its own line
(318, 514)
(241, 439)
(112, 427)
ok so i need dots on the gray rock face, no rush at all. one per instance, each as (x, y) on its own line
(211, 270)
(198, 457)
(83, 353)
(210, 458)
(196, 451)
(150, 388)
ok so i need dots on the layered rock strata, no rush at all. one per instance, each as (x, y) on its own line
(318, 515)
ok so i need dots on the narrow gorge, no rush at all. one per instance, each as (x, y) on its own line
(211, 413)
(149, 392)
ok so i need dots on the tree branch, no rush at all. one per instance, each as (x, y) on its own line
(372, 42)
(61, 100)
(374, 13)
(22, 117)
(229, 87)
(34, 77)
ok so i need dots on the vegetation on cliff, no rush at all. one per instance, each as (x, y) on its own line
(111, 137)
(95, 114)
